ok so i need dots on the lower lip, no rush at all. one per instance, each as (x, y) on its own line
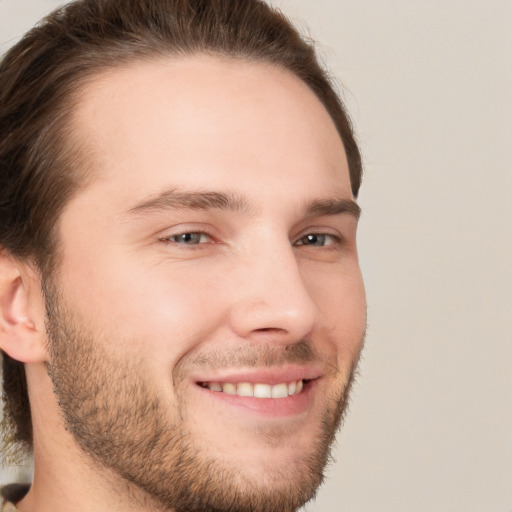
(272, 407)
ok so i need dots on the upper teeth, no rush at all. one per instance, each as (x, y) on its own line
(281, 390)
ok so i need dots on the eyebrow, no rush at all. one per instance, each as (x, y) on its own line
(322, 207)
(175, 200)
(229, 201)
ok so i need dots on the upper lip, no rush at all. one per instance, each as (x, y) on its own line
(271, 375)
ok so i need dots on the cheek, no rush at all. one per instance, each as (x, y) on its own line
(340, 298)
(159, 312)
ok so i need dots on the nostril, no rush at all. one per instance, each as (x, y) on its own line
(271, 330)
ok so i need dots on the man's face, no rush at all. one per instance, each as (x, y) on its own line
(213, 256)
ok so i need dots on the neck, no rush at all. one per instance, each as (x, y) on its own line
(61, 484)
(66, 478)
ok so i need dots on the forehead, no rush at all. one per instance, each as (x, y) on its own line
(190, 120)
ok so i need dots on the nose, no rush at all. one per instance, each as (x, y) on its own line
(271, 299)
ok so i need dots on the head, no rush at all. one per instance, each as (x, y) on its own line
(114, 110)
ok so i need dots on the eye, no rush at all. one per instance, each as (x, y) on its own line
(192, 238)
(317, 240)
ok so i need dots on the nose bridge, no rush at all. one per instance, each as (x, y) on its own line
(272, 294)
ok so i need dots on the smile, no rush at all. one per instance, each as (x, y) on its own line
(257, 390)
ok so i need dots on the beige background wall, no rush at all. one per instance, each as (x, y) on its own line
(429, 85)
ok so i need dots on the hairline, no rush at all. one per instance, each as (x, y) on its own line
(81, 157)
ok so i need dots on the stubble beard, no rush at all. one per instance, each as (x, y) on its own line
(119, 421)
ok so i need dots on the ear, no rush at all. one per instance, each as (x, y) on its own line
(22, 328)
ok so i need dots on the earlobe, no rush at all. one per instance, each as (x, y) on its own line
(20, 337)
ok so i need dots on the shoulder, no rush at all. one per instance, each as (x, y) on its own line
(11, 494)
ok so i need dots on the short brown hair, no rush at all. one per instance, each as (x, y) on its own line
(39, 80)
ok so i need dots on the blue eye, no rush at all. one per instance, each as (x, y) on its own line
(317, 240)
(190, 238)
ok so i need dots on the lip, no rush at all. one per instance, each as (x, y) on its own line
(272, 375)
(291, 406)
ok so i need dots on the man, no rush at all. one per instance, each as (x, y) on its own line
(182, 308)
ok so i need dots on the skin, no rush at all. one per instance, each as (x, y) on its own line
(266, 289)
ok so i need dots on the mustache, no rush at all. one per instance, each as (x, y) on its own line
(262, 356)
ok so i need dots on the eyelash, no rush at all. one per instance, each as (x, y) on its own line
(171, 239)
(335, 240)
